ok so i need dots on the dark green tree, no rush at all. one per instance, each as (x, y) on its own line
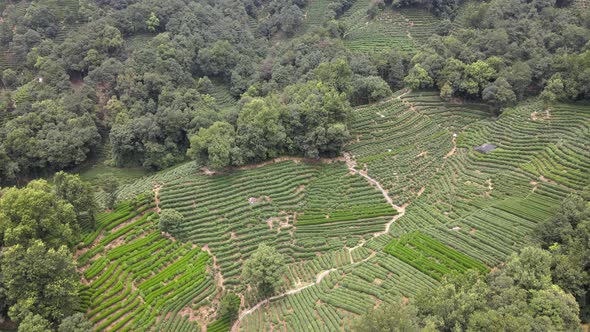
(170, 219)
(34, 323)
(75, 323)
(39, 280)
(214, 146)
(229, 306)
(78, 193)
(36, 213)
(264, 270)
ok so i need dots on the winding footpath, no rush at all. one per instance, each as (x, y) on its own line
(351, 163)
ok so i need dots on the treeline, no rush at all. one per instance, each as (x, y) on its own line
(507, 51)
(139, 72)
(40, 224)
(447, 9)
(535, 290)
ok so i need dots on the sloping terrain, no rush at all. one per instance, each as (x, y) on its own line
(411, 201)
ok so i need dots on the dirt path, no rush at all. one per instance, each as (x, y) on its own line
(217, 270)
(156, 191)
(454, 149)
(351, 163)
(245, 313)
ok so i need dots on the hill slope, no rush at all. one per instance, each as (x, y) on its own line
(409, 204)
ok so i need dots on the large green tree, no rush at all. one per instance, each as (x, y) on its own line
(35, 212)
(75, 323)
(214, 146)
(39, 280)
(391, 317)
(170, 219)
(78, 193)
(264, 270)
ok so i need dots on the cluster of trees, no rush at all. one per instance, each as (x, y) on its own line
(306, 119)
(150, 97)
(39, 225)
(508, 50)
(441, 8)
(535, 290)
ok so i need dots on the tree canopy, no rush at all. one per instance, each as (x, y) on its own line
(264, 270)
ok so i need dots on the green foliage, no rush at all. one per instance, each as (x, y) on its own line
(474, 59)
(110, 185)
(264, 270)
(153, 22)
(510, 299)
(48, 138)
(499, 93)
(39, 280)
(79, 194)
(229, 306)
(75, 323)
(36, 213)
(170, 220)
(337, 73)
(34, 323)
(418, 78)
(260, 132)
(390, 317)
(366, 90)
(308, 119)
(214, 145)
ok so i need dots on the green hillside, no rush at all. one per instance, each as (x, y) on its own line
(473, 209)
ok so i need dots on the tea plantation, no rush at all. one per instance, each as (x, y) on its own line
(411, 202)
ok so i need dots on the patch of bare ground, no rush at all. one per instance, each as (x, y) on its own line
(421, 192)
(217, 269)
(377, 304)
(270, 221)
(535, 185)
(203, 315)
(472, 231)
(156, 190)
(454, 149)
(536, 116)
(378, 281)
(94, 243)
(544, 179)
(422, 154)
(490, 188)
(300, 189)
(168, 236)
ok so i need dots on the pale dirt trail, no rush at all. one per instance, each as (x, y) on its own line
(245, 313)
(453, 150)
(156, 190)
(351, 163)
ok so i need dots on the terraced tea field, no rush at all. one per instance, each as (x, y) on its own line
(404, 29)
(471, 209)
(410, 202)
(137, 279)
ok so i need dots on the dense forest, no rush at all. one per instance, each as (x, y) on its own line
(224, 84)
(151, 98)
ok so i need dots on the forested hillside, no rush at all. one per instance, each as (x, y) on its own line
(294, 165)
